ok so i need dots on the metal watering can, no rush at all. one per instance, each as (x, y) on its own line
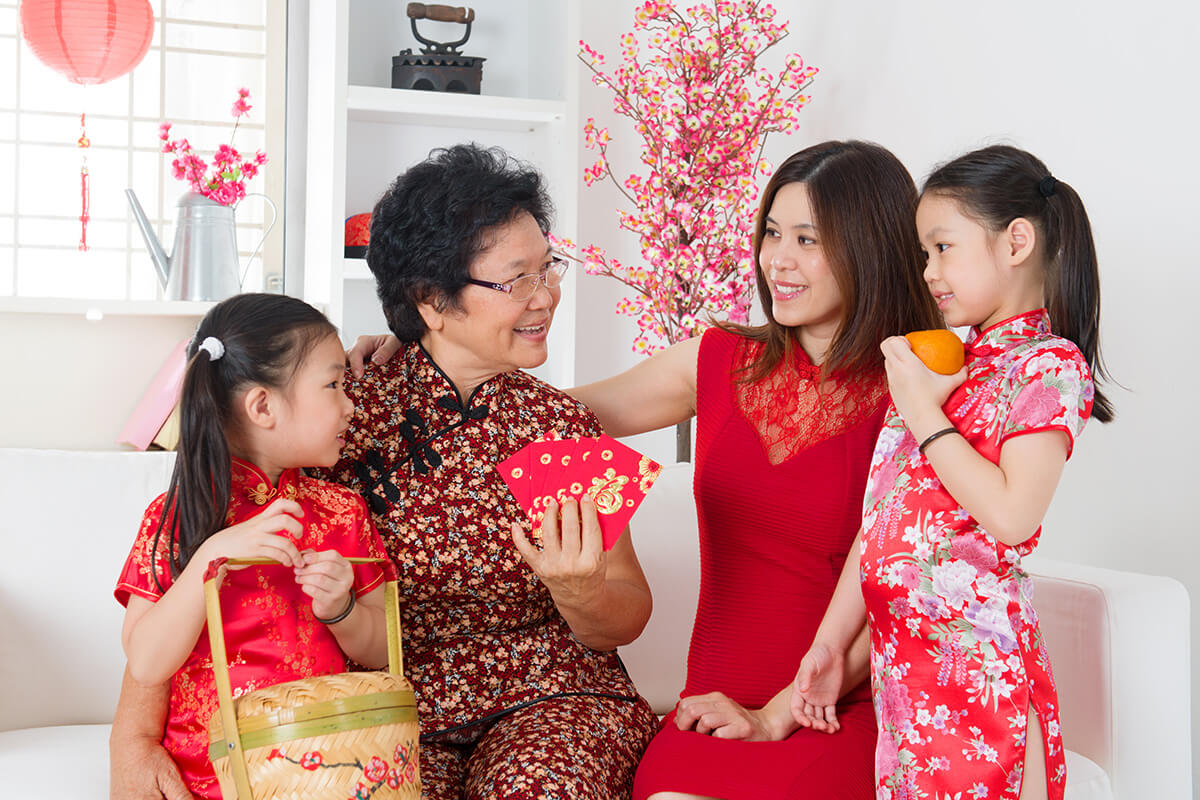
(203, 264)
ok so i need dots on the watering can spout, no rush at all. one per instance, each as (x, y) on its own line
(162, 264)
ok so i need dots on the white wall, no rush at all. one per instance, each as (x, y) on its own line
(70, 383)
(1102, 92)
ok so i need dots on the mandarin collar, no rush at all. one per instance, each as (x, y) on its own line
(1002, 335)
(433, 379)
(251, 483)
(804, 365)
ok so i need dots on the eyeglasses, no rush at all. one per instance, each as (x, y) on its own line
(522, 288)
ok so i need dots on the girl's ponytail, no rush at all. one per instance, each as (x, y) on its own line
(247, 340)
(1073, 284)
(998, 184)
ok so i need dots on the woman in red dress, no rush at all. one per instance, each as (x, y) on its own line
(787, 414)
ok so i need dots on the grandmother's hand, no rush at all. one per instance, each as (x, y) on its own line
(572, 562)
(379, 348)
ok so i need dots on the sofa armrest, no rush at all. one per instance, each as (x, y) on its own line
(1119, 644)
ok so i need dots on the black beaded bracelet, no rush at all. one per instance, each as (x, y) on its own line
(339, 617)
(935, 435)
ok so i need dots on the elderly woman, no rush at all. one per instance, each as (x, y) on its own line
(509, 643)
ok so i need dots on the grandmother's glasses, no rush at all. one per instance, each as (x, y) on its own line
(522, 288)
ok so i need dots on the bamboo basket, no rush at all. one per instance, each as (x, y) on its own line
(350, 736)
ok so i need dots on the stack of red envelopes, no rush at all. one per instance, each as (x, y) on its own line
(614, 476)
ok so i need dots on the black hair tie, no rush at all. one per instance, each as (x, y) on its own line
(1046, 186)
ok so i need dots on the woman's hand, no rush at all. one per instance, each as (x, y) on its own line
(272, 534)
(572, 562)
(379, 348)
(139, 767)
(716, 715)
(918, 392)
(816, 688)
(328, 579)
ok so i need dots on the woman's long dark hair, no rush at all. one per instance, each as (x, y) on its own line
(864, 206)
(998, 184)
(266, 338)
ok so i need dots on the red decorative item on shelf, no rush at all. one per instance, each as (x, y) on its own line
(89, 41)
(358, 235)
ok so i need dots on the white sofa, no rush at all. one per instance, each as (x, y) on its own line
(1119, 640)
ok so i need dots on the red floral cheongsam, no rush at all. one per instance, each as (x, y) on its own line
(270, 632)
(482, 635)
(956, 655)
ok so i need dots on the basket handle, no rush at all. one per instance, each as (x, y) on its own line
(216, 639)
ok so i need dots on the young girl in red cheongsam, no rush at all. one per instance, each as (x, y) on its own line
(262, 397)
(962, 474)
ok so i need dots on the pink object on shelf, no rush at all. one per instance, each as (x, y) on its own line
(157, 402)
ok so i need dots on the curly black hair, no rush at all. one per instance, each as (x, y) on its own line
(436, 218)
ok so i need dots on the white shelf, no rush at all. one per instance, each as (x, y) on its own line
(415, 107)
(355, 269)
(105, 308)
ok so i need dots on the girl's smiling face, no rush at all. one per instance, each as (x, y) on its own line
(964, 266)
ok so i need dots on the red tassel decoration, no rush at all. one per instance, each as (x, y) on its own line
(84, 191)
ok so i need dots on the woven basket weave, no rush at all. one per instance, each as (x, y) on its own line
(350, 736)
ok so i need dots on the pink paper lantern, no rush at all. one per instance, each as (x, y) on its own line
(89, 41)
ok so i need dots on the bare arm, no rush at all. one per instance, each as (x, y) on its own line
(159, 636)
(655, 393)
(822, 676)
(604, 597)
(1008, 499)
(139, 767)
(717, 715)
(363, 635)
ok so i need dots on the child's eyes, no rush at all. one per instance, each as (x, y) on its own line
(941, 248)
(333, 384)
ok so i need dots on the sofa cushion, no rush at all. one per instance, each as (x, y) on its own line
(60, 761)
(68, 523)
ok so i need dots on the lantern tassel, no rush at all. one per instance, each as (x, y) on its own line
(84, 190)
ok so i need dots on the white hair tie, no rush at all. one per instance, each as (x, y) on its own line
(212, 345)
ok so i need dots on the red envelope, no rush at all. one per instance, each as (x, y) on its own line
(614, 475)
(515, 472)
(548, 460)
(617, 478)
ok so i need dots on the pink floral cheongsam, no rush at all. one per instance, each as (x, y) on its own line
(956, 655)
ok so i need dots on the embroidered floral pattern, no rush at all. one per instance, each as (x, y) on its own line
(957, 659)
(376, 772)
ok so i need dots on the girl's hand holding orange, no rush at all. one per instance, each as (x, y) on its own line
(272, 534)
(328, 579)
(918, 392)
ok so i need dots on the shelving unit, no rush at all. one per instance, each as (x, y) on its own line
(372, 133)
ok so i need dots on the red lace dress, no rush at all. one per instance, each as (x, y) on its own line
(780, 469)
(270, 632)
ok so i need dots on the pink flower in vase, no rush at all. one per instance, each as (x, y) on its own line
(226, 184)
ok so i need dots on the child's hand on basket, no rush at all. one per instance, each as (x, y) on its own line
(328, 579)
(272, 534)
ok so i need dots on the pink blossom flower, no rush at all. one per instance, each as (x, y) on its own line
(702, 108)
(376, 769)
(227, 182)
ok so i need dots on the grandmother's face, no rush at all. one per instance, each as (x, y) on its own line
(492, 332)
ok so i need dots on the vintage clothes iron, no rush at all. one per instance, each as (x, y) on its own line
(441, 66)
